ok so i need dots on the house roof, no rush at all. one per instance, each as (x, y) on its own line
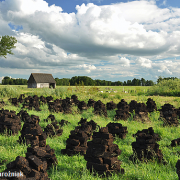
(41, 78)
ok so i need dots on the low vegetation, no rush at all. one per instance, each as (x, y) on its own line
(74, 167)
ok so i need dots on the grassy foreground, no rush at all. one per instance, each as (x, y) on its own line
(75, 167)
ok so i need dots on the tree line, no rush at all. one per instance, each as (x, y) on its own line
(11, 81)
(87, 81)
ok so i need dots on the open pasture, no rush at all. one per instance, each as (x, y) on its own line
(74, 167)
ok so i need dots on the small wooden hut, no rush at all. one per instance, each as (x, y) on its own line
(41, 80)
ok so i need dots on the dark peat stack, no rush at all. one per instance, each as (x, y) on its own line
(10, 123)
(91, 103)
(117, 129)
(111, 105)
(145, 148)
(100, 108)
(77, 141)
(175, 142)
(168, 114)
(102, 154)
(123, 110)
(151, 105)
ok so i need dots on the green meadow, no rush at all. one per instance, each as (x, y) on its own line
(74, 167)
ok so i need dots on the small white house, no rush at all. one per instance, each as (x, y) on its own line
(41, 80)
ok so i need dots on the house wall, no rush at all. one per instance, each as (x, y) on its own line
(32, 85)
(42, 85)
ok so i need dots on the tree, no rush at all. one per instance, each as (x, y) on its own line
(6, 44)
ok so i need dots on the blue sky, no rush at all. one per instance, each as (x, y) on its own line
(102, 39)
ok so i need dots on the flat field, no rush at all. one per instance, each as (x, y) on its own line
(74, 167)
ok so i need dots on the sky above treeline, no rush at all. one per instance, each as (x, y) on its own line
(103, 39)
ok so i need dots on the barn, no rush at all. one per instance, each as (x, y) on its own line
(41, 80)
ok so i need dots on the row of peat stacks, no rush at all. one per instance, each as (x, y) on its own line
(77, 141)
(10, 123)
(39, 156)
(145, 148)
(141, 110)
(102, 154)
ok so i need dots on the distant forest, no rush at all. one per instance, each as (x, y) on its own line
(87, 81)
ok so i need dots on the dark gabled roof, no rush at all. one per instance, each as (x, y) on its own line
(41, 78)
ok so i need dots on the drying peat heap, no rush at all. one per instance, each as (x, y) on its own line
(151, 105)
(178, 168)
(39, 156)
(10, 123)
(102, 154)
(52, 129)
(168, 114)
(117, 129)
(175, 142)
(100, 108)
(16, 101)
(111, 105)
(145, 148)
(32, 102)
(60, 105)
(82, 105)
(91, 103)
(75, 100)
(23, 115)
(123, 110)
(77, 141)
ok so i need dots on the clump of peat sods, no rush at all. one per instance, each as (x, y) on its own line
(168, 114)
(91, 103)
(10, 123)
(39, 157)
(141, 111)
(175, 142)
(102, 154)
(77, 141)
(100, 108)
(123, 110)
(111, 105)
(151, 105)
(145, 148)
(117, 129)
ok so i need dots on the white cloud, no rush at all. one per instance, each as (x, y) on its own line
(131, 35)
(144, 62)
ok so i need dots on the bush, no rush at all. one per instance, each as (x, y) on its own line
(166, 88)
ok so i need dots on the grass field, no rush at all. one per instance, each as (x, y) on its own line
(75, 167)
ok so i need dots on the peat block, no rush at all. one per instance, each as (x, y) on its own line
(32, 102)
(178, 168)
(175, 142)
(51, 117)
(74, 99)
(111, 105)
(123, 110)
(23, 115)
(10, 123)
(117, 129)
(91, 103)
(63, 122)
(168, 114)
(53, 129)
(145, 147)
(151, 105)
(35, 165)
(77, 141)
(82, 105)
(102, 154)
(100, 108)
(32, 133)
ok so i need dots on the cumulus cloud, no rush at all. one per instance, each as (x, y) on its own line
(132, 35)
(144, 62)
